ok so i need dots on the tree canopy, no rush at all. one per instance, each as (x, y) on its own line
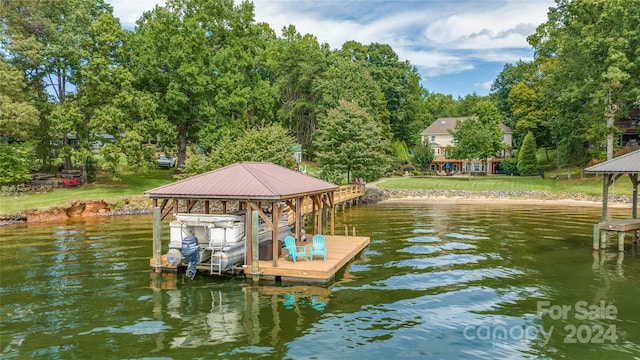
(595, 73)
(350, 143)
(202, 72)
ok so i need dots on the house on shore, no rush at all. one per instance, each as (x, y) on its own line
(438, 136)
(629, 134)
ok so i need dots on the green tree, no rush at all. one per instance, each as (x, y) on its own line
(109, 102)
(467, 105)
(18, 114)
(44, 40)
(440, 105)
(598, 68)
(195, 56)
(401, 152)
(469, 138)
(480, 136)
(510, 165)
(510, 76)
(527, 161)
(346, 79)
(270, 143)
(423, 155)
(296, 63)
(529, 111)
(18, 121)
(349, 142)
(400, 84)
(16, 164)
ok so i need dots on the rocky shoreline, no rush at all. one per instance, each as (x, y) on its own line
(80, 209)
(374, 194)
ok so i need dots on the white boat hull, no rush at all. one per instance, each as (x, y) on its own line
(221, 237)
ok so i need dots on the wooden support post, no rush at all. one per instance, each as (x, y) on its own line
(605, 196)
(255, 246)
(621, 241)
(313, 216)
(603, 239)
(324, 222)
(157, 239)
(634, 211)
(298, 219)
(319, 214)
(276, 212)
(248, 236)
(332, 202)
(596, 237)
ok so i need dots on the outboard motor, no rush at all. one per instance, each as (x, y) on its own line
(191, 252)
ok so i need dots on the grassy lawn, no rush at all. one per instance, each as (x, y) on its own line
(131, 185)
(590, 185)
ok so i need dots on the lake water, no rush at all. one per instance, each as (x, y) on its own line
(437, 281)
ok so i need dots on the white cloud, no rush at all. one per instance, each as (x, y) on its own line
(435, 63)
(439, 37)
(493, 28)
(484, 85)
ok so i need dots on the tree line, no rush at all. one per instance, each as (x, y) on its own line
(202, 80)
(585, 75)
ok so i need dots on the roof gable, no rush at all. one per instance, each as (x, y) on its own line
(442, 125)
(244, 180)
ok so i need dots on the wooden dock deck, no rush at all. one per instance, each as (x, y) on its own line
(620, 226)
(340, 251)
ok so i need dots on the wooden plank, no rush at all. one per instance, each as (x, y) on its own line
(340, 251)
(620, 225)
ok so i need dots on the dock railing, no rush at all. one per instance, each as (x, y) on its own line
(343, 194)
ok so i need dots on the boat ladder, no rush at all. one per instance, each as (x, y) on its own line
(217, 249)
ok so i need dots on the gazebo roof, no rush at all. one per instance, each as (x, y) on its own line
(244, 181)
(625, 164)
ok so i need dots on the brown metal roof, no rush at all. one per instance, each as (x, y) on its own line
(244, 181)
(624, 164)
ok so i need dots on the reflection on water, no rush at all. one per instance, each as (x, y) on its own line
(442, 281)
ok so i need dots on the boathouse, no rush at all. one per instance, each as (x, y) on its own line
(264, 191)
(611, 171)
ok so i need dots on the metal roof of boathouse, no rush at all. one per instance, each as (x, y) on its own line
(625, 164)
(244, 181)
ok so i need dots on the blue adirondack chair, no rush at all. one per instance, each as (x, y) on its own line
(293, 249)
(318, 247)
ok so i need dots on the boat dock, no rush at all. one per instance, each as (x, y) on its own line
(619, 226)
(340, 251)
(257, 197)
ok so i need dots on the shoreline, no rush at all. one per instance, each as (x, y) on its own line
(536, 198)
(374, 194)
(501, 201)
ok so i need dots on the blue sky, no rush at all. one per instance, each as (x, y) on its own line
(459, 47)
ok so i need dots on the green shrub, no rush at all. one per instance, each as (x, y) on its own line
(510, 166)
(527, 161)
